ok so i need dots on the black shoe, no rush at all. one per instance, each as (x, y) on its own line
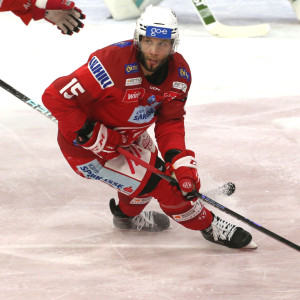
(226, 234)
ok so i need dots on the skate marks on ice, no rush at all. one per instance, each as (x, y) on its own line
(57, 237)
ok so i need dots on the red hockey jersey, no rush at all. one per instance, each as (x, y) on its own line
(112, 89)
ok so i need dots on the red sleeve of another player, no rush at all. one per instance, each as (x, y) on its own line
(21, 8)
(25, 17)
(169, 128)
(10, 5)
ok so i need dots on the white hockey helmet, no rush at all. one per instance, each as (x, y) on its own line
(157, 22)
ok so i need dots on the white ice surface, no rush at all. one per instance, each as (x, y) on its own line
(57, 240)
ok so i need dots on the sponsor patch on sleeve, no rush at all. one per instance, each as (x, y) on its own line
(99, 73)
(132, 68)
(184, 74)
(180, 86)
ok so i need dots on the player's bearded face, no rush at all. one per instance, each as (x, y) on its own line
(154, 53)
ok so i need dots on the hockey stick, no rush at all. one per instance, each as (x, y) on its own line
(139, 161)
(214, 27)
(226, 210)
(43, 110)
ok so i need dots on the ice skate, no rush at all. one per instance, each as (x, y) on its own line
(226, 234)
(147, 220)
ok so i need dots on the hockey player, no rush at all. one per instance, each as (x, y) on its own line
(110, 102)
(62, 13)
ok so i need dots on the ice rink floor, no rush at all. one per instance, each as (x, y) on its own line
(57, 240)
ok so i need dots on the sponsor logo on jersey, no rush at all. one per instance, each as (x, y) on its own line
(196, 210)
(171, 95)
(99, 73)
(94, 170)
(132, 68)
(143, 114)
(140, 201)
(133, 81)
(123, 44)
(133, 95)
(184, 74)
(154, 88)
(151, 99)
(159, 32)
(180, 86)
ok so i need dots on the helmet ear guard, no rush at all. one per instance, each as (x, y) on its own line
(157, 22)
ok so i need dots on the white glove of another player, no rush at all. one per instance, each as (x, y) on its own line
(68, 21)
(62, 13)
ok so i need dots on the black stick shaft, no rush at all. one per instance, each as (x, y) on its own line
(43, 110)
(211, 202)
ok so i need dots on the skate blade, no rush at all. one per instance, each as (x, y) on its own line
(251, 245)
